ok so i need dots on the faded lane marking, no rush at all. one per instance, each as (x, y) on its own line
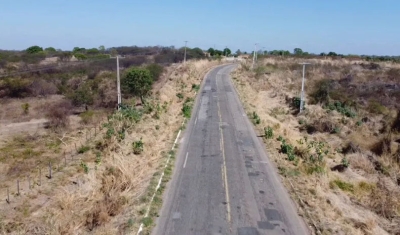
(184, 164)
(228, 205)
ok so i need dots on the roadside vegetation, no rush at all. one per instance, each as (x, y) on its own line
(342, 153)
(103, 161)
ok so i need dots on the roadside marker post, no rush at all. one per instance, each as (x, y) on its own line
(302, 96)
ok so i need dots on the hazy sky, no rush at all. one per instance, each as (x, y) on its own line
(342, 26)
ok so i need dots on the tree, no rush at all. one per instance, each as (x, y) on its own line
(92, 51)
(50, 49)
(238, 52)
(211, 51)
(137, 81)
(79, 50)
(102, 48)
(34, 49)
(227, 52)
(332, 54)
(297, 51)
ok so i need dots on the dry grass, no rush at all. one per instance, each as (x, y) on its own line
(106, 192)
(363, 199)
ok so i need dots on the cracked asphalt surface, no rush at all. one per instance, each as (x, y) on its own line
(224, 182)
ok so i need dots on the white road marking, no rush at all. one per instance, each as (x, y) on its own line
(184, 164)
(159, 183)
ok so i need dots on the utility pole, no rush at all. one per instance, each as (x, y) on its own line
(302, 96)
(184, 59)
(254, 55)
(118, 83)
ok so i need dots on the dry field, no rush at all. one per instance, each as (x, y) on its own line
(104, 165)
(340, 158)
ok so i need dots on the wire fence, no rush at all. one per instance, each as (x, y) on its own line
(45, 172)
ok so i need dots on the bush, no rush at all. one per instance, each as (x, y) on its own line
(41, 87)
(25, 108)
(87, 117)
(137, 146)
(341, 108)
(15, 87)
(256, 118)
(82, 96)
(375, 107)
(58, 114)
(195, 87)
(320, 94)
(342, 185)
(187, 108)
(155, 70)
(179, 95)
(268, 132)
(83, 149)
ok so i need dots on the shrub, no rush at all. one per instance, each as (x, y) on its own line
(342, 185)
(288, 149)
(268, 132)
(25, 108)
(86, 117)
(256, 118)
(195, 87)
(341, 108)
(137, 146)
(41, 87)
(320, 94)
(375, 107)
(82, 96)
(58, 114)
(179, 95)
(83, 149)
(15, 87)
(85, 167)
(187, 107)
(155, 70)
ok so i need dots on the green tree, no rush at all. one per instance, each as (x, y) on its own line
(211, 51)
(50, 49)
(92, 51)
(297, 51)
(227, 52)
(34, 49)
(332, 54)
(102, 48)
(79, 50)
(137, 81)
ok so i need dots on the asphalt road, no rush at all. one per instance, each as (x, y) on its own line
(224, 183)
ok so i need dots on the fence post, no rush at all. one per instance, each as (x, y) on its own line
(8, 196)
(18, 187)
(40, 177)
(49, 170)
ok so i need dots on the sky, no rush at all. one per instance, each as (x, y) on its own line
(342, 26)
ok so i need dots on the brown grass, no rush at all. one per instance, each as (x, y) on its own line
(363, 209)
(107, 199)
